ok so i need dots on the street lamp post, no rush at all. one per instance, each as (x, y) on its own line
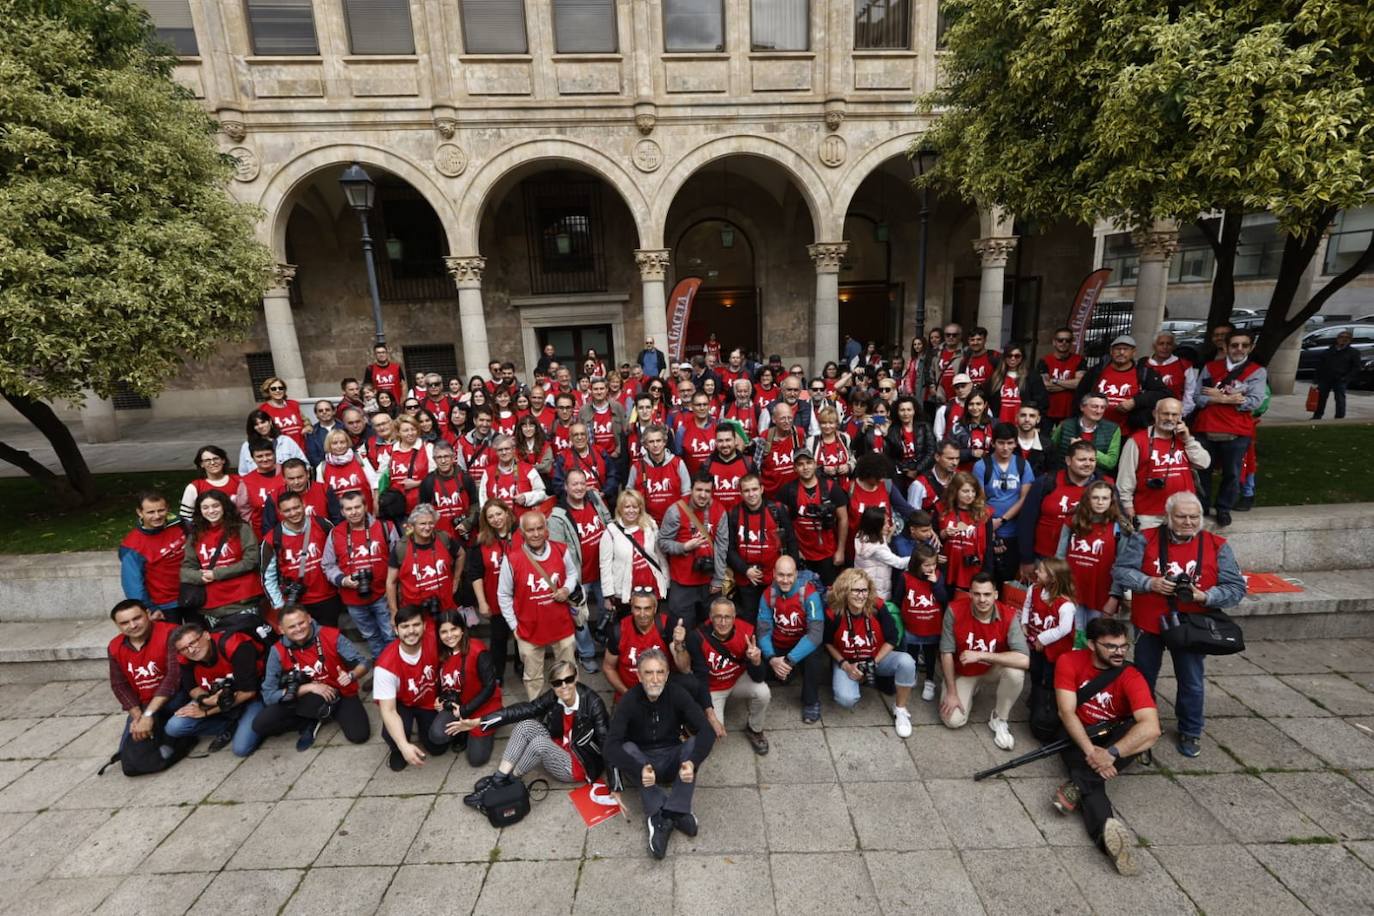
(921, 163)
(360, 191)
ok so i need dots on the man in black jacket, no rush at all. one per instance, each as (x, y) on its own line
(1339, 366)
(646, 739)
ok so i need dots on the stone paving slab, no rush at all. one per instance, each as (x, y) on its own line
(1276, 816)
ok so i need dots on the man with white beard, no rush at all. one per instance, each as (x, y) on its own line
(1158, 462)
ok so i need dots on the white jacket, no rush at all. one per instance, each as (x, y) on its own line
(618, 556)
(878, 560)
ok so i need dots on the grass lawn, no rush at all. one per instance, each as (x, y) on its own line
(1299, 465)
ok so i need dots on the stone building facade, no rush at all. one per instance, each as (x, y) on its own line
(533, 190)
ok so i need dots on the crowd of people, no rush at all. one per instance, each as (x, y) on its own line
(947, 522)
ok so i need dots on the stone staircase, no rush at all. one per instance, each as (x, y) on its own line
(54, 607)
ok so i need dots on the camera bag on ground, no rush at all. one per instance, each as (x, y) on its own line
(1210, 632)
(142, 758)
(507, 803)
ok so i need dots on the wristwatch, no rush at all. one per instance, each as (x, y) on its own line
(1116, 755)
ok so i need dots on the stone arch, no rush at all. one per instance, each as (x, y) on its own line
(560, 150)
(865, 165)
(803, 175)
(276, 199)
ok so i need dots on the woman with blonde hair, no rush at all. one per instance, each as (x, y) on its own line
(342, 470)
(630, 558)
(965, 529)
(861, 637)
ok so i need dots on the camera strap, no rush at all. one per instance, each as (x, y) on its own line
(223, 539)
(1164, 561)
(696, 522)
(719, 646)
(1101, 682)
(639, 549)
(529, 554)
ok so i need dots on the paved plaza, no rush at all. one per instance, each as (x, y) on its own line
(1276, 816)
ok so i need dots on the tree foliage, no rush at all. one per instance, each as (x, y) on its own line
(121, 254)
(1136, 110)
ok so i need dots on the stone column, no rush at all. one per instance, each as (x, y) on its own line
(281, 332)
(826, 340)
(1156, 246)
(653, 268)
(472, 320)
(994, 252)
(98, 419)
(1283, 366)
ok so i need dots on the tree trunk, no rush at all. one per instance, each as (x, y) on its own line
(1281, 329)
(1280, 321)
(1224, 242)
(78, 486)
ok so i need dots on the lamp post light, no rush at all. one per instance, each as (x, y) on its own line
(922, 162)
(361, 191)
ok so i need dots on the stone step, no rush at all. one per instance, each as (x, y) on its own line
(1299, 539)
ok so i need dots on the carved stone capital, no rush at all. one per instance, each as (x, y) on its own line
(834, 114)
(646, 116)
(466, 271)
(652, 263)
(446, 127)
(828, 256)
(1156, 244)
(283, 275)
(995, 251)
(234, 129)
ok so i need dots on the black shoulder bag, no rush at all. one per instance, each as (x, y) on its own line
(1044, 717)
(1210, 632)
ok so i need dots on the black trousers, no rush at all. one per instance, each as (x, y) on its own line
(280, 718)
(690, 603)
(814, 670)
(1095, 805)
(747, 598)
(477, 747)
(499, 643)
(411, 717)
(326, 613)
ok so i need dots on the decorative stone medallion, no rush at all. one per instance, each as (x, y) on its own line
(450, 159)
(246, 164)
(648, 156)
(833, 150)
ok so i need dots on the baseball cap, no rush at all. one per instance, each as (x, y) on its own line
(803, 453)
(1124, 340)
(963, 378)
(684, 365)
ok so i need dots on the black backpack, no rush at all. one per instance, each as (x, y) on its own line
(508, 802)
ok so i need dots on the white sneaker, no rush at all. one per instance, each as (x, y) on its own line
(1001, 735)
(928, 691)
(902, 718)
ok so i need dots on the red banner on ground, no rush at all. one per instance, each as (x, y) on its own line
(1084, 304)
(595, 803)
(1262, 583)
(679, 313)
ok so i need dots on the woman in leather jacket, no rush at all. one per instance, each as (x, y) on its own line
(563, 730)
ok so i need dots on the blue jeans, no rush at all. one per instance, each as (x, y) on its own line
(1188, 668)
(1227, 457)
(899, 666)
(374, 624)
(582, 636)
(245, 740)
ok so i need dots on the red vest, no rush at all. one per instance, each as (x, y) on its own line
(288, 419)
(236, 589)
(492, 556)
(1059, 370)
(1225, 418)
(724, 670)
(417, 688)
(592, 464)
(1009, 400)
(1043, 617)
(632, 643)
(1160, 459)
(293, 554)
(758, 540)
(789, 617)
(832, 455)
(347, 478)
(320, 658)
(162, 552)
(726, 476)
(1172, 374)
(661, 484)
(1055, 510)
(776, 467)
(539, 619)
(1090, 558)
(475, 456)
(388, 378)
(921, 613)
(411, 464)
(602, 429)
(979, 636)
(747, 416)
(1147, 607)
(358, 550)
(860, 499)
(229, 489)
(979, 368)
(978, 437)
(144, 668)
(261, 490)
(1118, 385)
(451, 500)
(858, 638)
(814, 541)
(680, 568)
(426, 572)
(960, 545)
(506, 485)
(459, 672)
(764, 397)
(946, 360)
(697, 444)
(560, 438)
(205, 675)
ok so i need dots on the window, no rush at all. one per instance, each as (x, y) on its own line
(1119, 253)
(563, 232)
(882, 25)
(494, 27)
(409, 247)
(1260, 248)
(285, 27)
(1350, 234)
(693, 25)
(379, 26)
(1194, 261)
(125, 398)
(260, 368)
(584, 26)
(944, 18)
(172, 19)
(781, 25)
(571, 343)
(440, 358)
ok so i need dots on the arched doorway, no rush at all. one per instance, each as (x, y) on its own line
(721, 255)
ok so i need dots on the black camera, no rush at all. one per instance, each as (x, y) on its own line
(823, 512)
(450, 698)
(973, 559)
(430, 606)
(869, 671)
(1155, 483)
(908, 466)
(703, 564)
(1183, 588)
(364, 579)
(220, 695)
(291, 682)
(292, 590)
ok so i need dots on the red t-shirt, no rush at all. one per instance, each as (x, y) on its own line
(1121, 697)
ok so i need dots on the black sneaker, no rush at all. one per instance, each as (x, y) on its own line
(687, 823)
(1223, 518)
(1244, 504)
(811, 714)
(221, 741)
(757, 741)
(306, 739)
(397, 761)
(659, 831)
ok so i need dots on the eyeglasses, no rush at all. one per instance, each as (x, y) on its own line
(276, 387)
(887, 389)
(951, 333)
(1114, 649)
(1063, 340)
(820, 389)
(563, 681)
(858, 591)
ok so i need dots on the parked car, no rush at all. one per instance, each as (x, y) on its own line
(1315, 344)
(1180, 327)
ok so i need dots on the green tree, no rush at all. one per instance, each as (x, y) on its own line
(1143, 110)
(121, 254)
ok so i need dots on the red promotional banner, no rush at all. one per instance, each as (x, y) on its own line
(679, 313)
(1084, 304)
